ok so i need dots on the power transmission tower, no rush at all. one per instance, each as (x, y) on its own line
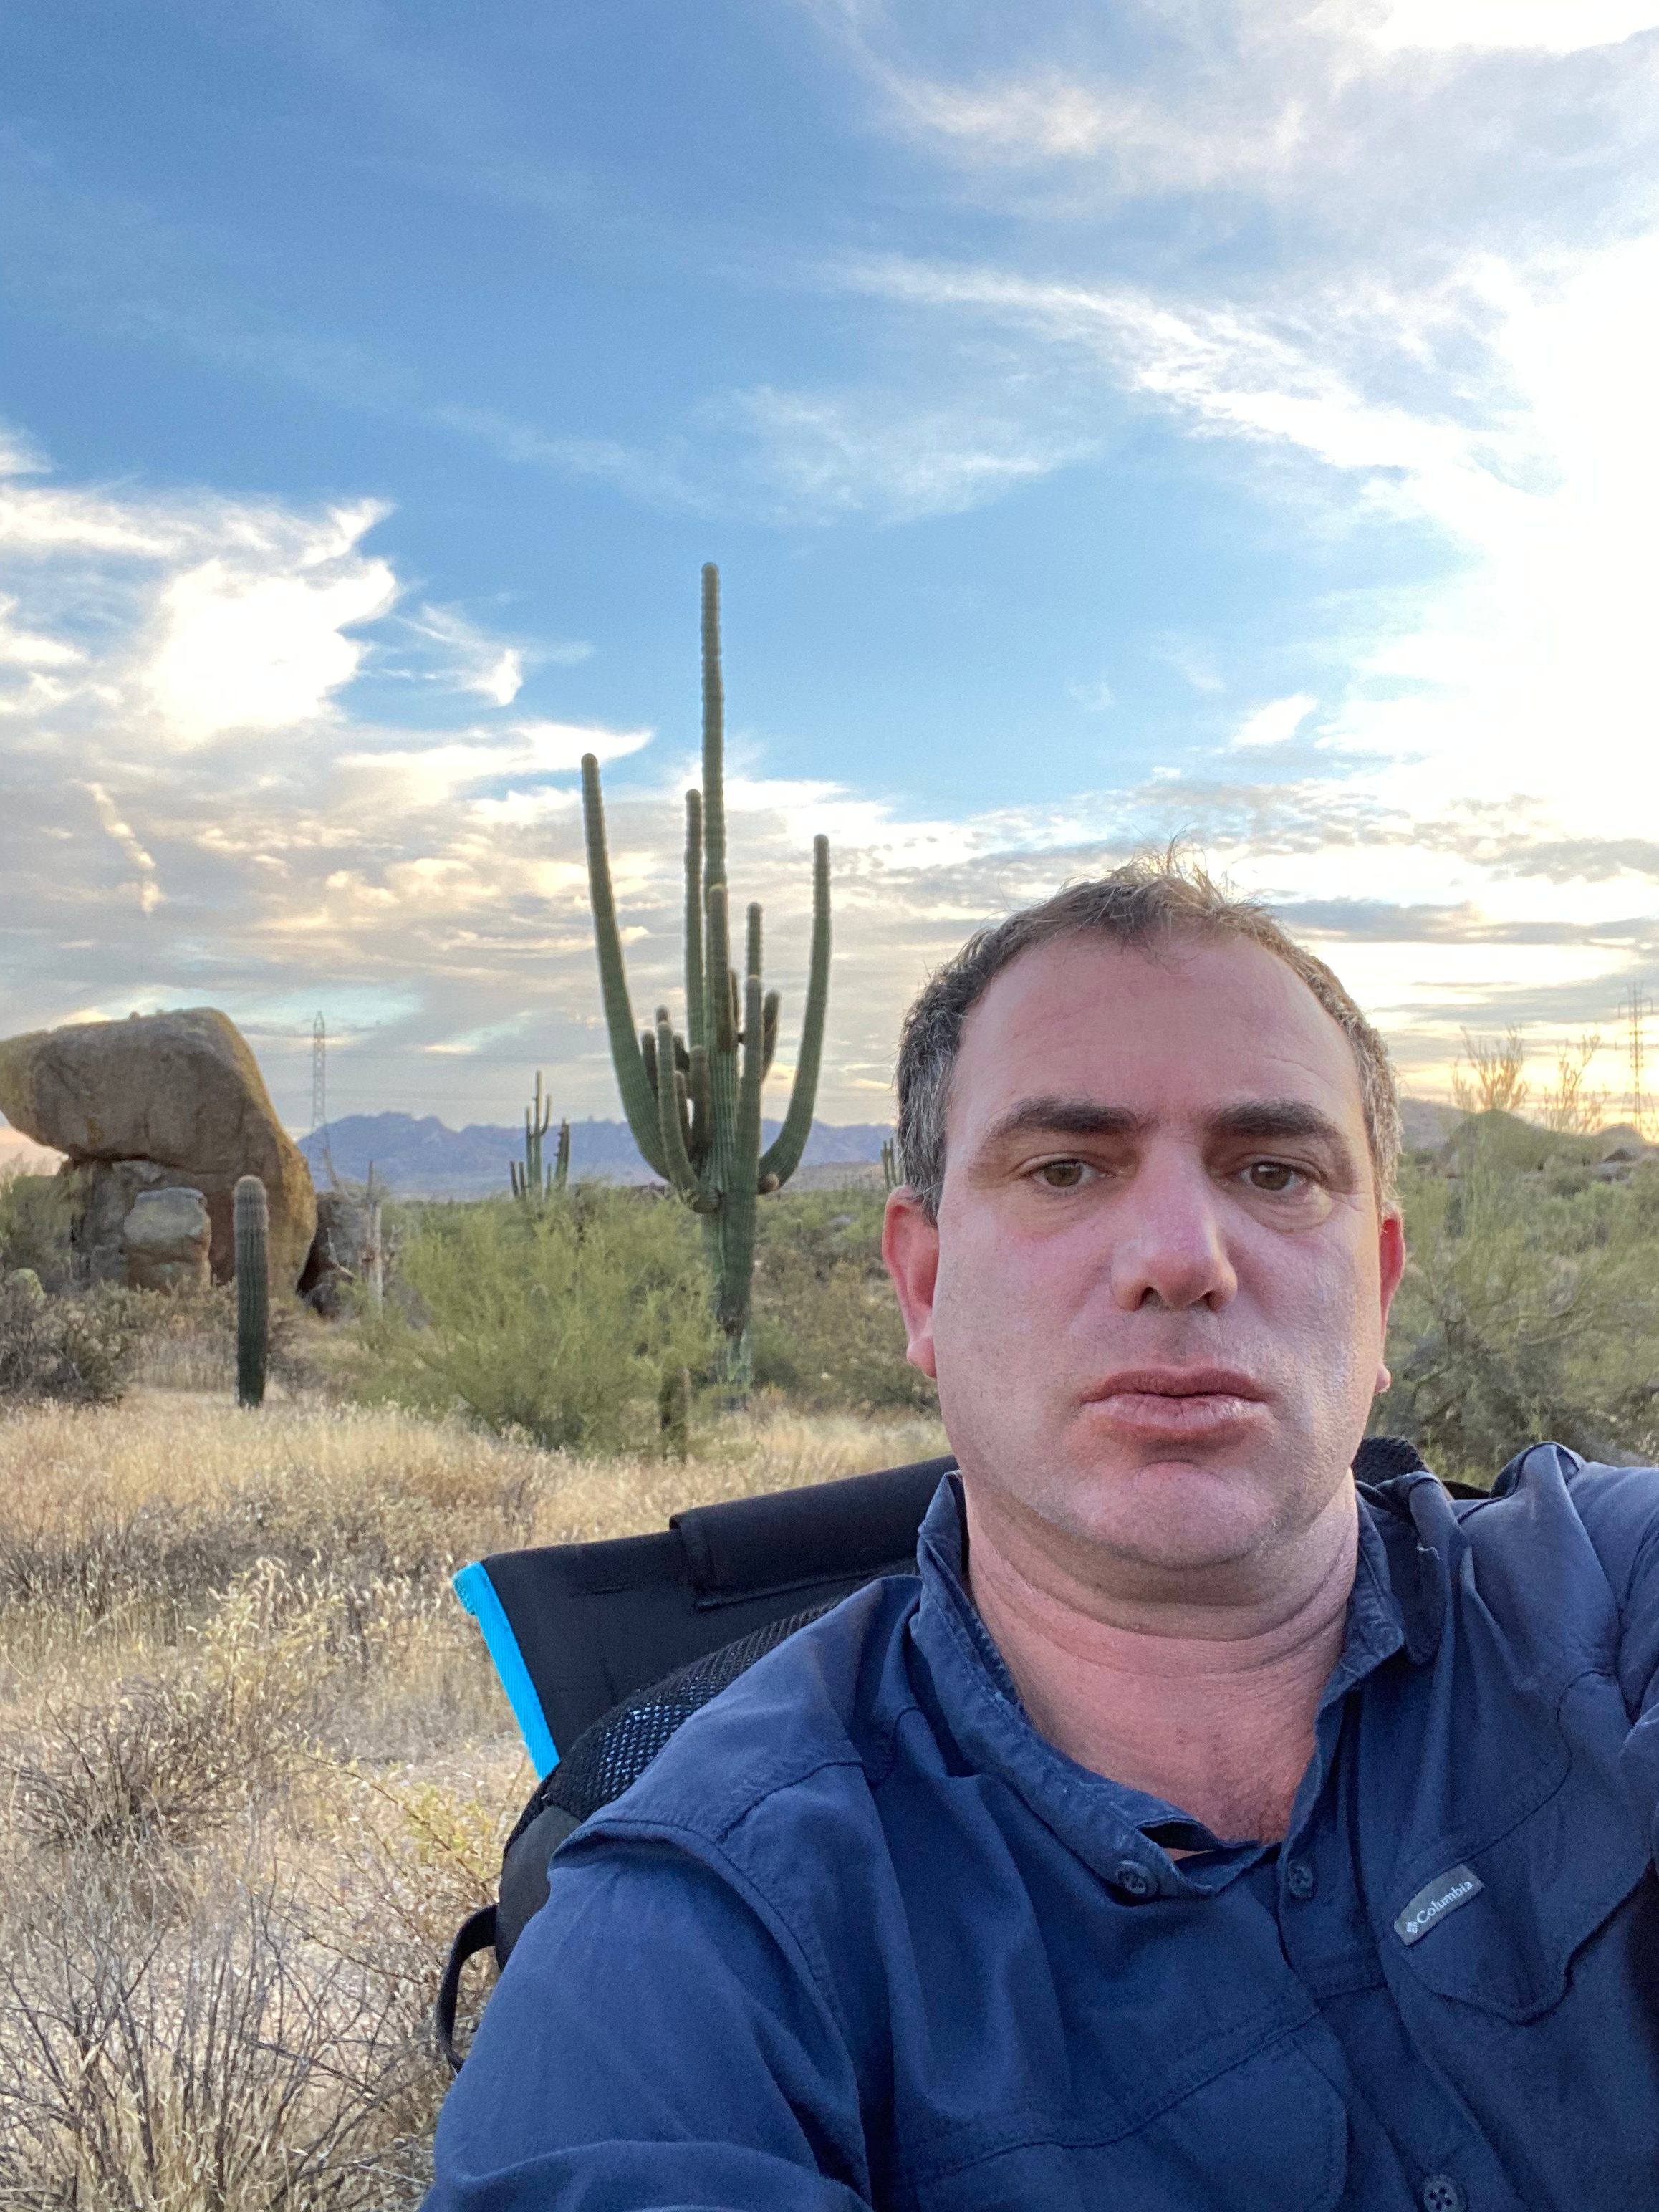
(1637, 1007)
(319, 1096)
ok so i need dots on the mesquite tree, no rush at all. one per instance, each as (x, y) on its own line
(693, 1101)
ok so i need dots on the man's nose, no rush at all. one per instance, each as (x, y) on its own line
(1169, 1247)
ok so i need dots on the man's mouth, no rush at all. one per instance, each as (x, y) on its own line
(1178, 1401)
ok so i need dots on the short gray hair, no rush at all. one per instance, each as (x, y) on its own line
(1146, 904)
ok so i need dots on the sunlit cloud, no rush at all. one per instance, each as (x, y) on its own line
(1551, 26)
(250, 651)
(1276, 723)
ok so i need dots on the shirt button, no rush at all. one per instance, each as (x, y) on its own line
(1133, 1881)
(1300, 1880)
(1440, 2193)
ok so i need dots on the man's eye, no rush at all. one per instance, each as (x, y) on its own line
(1061, 1174)
(1273, 1176)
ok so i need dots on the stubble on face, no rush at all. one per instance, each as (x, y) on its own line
(1155, 1299)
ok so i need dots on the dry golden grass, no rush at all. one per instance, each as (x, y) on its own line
(254, 1766)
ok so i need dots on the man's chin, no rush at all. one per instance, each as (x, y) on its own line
(1172, 1515)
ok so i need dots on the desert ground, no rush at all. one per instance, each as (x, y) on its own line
(255, 1767)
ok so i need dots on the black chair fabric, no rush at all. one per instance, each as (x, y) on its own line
(596, 1622)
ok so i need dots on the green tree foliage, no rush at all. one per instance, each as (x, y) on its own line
(827, 1327)
(34, 1226)
(1530, 1306)
(559, 1322)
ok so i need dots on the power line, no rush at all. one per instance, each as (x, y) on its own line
(1637, 1007)
(319, 1095)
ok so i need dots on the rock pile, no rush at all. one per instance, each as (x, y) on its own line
(150, 1106)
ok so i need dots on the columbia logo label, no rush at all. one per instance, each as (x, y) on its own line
(1434, 1900)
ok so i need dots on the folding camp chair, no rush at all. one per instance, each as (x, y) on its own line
(604, 1648)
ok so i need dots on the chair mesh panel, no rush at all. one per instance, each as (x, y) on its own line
(606, 1757)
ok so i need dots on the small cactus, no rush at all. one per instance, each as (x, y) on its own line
(251, 1217)
(891, 1174)
(674, 1413)
(529, 1180)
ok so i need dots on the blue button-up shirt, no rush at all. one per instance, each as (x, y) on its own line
(860, 1937)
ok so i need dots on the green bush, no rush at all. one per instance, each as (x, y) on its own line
(1530, 1308)
(80, 1348)
(559, 1321)
(34, 1226)
(827, 1328)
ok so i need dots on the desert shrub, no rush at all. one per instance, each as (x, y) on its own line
(83, 1348)
(1530, 1306)
(827, 1325)
(34, 1226)
(189, 1341)
(559, 1322)
(169, 1759)
(226, 2065)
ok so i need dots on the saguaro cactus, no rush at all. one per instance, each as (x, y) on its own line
(251, 1220)
(693, 1102)
(529, 1181)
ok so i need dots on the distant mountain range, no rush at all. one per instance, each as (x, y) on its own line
(421, 1158)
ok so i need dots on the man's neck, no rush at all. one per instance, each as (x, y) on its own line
(1206, 1700)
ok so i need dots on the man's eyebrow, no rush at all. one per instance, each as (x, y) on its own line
(1261, 1118)
(1283, 1117)
(1058, 1116)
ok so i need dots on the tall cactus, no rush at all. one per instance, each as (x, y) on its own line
(529, 1180)
(693, 1102)
(250, 1222)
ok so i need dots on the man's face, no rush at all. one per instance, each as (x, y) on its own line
(1156, 1295)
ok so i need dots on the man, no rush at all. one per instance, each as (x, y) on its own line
(1198, 1833)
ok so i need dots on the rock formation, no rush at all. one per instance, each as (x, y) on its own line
(167, 1237)
(156, 1101)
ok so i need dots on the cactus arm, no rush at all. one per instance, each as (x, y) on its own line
(713, 734)
(783, 1156)
(638, 1104)
(671, 1110)
(561, 1158)
(702, 1105)
(696, 1010)
(719, 982)
(770, 1032)
(739, 1224)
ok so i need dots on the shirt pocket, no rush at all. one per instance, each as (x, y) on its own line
(1268, 2135)
(1546, 1883)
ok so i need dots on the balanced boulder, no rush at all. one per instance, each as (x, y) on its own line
(156, 1101)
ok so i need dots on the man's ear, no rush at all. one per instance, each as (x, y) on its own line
(1391, 1266)
(909, 1247)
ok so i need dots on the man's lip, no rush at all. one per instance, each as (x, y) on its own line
(1177, 1382)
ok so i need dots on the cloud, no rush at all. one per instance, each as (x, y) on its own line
(465, 659)
(244, 650)
(427, 775)
(1275, 723)
(146, 884)
(1551, 26)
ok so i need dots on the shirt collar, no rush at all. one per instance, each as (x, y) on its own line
(1106, 1823)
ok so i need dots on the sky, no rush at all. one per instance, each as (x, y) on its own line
(1114, 420)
